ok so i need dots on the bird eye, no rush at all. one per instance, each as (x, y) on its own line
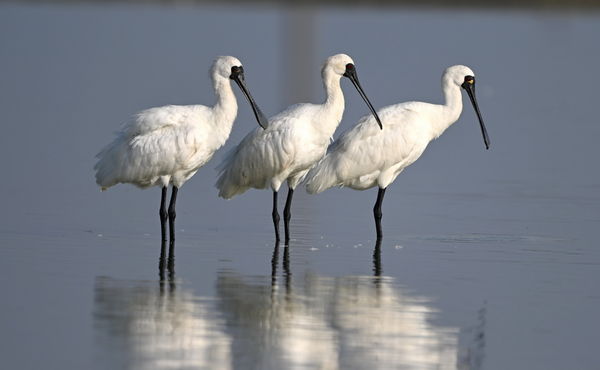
(469, 79)
(236, 70)
(349, 66)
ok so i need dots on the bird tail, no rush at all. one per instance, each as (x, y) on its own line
(230, 182)
(322, 176)
(108, 165)
(228, 188)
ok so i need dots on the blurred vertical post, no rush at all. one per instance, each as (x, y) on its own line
(298, 54)
(299, 74)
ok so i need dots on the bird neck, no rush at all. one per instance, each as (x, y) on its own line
(450, 110)
(335, 95)
(333, 107)
(225, 109)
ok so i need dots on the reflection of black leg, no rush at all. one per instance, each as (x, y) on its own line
(377, 213)
(162, 213)
(287, 215)
(377, 259)
(286, 270)
(274, 263)
(172, 213)
(171, 266)
(275, 215)
(162, 261)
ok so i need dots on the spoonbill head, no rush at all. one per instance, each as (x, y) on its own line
(231, 67)
(366, 156)
(293, 142)
(343, 65)
(166, 145)
(464, 77)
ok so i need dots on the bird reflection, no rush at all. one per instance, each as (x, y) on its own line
(377, 270)
(377, 259)
(347, 322)
(286, 269)
(145, 328)
(332, 323)
(274, 264)
(168, 264)
(472, 350)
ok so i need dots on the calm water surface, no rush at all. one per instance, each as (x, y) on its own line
(490, 258)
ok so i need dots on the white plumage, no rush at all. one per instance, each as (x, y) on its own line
(167, 145)
(284, 151)
(293, 142)
(366, 156)
(163, 145)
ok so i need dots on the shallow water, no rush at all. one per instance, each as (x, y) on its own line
(489, 258)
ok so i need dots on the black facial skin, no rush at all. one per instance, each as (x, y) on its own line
(351, 74)
(237, 74)
(469, 86)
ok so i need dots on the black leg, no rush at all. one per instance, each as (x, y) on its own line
(172, 213)
(287, 215)
(162, 213)
(275, 215)
(377, 213)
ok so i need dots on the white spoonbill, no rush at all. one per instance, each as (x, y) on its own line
(291, 144)
(365, 156)
(167, 145)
